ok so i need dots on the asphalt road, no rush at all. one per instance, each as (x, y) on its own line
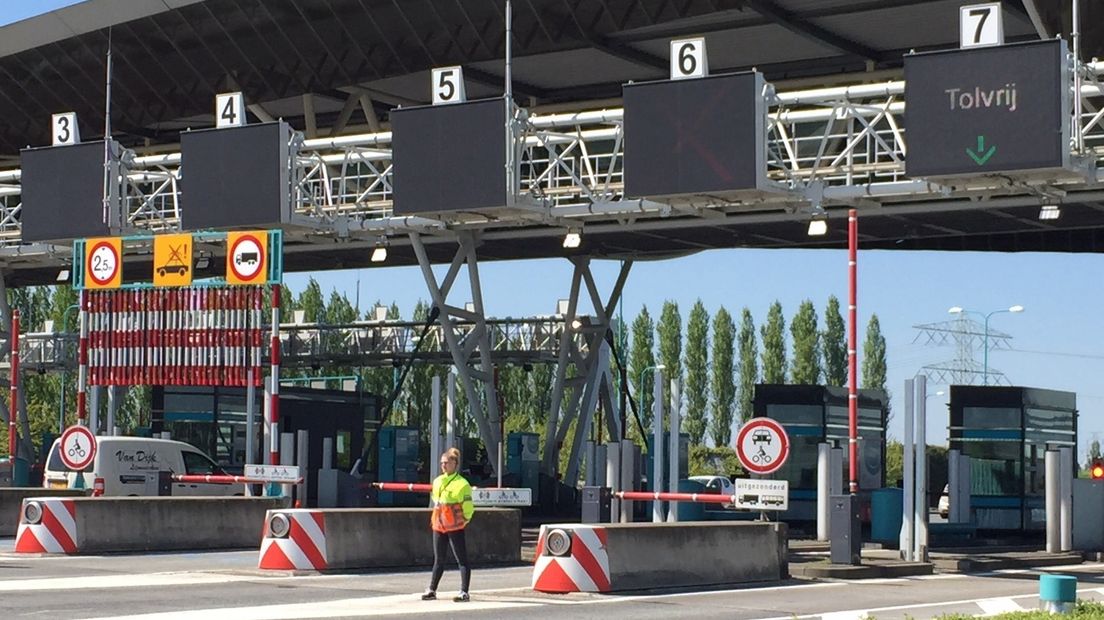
(207, 586)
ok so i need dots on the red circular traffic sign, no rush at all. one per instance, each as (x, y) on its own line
(247, 258)
(78, 447)
(762, 445)
(103, 263)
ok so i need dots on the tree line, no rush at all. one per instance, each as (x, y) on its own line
(718, 362)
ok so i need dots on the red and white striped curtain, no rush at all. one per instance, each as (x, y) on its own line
(188, 336)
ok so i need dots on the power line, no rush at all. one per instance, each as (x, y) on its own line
(1058, 354)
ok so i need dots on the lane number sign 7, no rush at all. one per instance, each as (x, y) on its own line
(448, 85)
(688, 59)
(980, 25)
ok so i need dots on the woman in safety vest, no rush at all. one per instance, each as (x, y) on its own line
(452, 510)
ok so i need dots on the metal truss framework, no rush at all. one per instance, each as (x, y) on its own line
(967, 336)
(592, 381)
(843, 146)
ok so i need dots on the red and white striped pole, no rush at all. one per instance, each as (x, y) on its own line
(699, 498)
(852, 349)
(274, 394)
(82, 360)
(12, 436)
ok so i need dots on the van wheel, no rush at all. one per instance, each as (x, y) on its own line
(238, 495)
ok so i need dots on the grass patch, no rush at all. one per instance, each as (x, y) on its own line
(1085, 610)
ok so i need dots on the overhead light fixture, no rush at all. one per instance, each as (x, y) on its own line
(1016, 308)
(1050, 212)
(954, 310)
(572, 239)
(818, 225)
(63, 275)
(379, 254)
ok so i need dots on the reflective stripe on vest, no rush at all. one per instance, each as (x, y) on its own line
(447, 517)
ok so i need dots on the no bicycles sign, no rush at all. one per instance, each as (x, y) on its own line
(762, 446)
(78, 447)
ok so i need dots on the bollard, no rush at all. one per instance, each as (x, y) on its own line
(1057, 593)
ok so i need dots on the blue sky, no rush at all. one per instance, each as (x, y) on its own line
(1056, 340)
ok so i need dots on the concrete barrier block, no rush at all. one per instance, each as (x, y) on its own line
(635, 556)
(121, 524)
(347, 538)
(11, 503)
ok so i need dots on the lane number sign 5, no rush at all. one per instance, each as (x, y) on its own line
(688, 59)
(980, 25)
(448, 85)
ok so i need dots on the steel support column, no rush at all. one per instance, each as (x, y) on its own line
(477, 340)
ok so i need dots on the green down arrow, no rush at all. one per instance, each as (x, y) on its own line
(980, 156)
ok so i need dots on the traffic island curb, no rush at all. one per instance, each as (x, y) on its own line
(862, 571)
(983, 564)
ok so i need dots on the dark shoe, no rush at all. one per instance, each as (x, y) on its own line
(461, 598)
(429, 595)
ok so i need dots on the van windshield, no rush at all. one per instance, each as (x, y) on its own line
(55, 464)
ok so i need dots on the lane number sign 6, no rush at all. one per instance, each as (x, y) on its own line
(688, 59)
(448, 85)
(981, 25)
(64, 129)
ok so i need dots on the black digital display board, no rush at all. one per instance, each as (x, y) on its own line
(62, 192)
(235, 177)
(694, 136)
(987, 110)
(449, 157)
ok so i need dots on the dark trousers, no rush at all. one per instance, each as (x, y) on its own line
(441, 542)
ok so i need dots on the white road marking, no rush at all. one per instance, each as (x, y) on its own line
(845, 615)
(994, 606)
(352, 607)
(119, 581)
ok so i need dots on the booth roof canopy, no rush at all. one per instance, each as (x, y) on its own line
(170, 57)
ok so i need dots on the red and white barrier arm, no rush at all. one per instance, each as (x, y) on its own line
(701, 498)
(411, 487)
(209, 479)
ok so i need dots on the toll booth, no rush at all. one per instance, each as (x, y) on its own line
(814, 414)
(214, 420)
(1006, 432)
(523, 460)
(400, 461)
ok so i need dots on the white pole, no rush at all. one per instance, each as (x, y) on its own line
(1065, 500)
(628, 474)
(673, 427)
(112, 405)
(287, 456)
(908, 485)
(657, 444)
(94, 418)
(1052, 491)
(250, 418)
(450, 413)
(302, 459)
(613, 478)
(823, 489)
(435, 428)
(920, 541)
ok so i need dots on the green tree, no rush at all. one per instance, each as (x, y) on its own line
(723, 379)
(749, 364)
(642, 357)
(1094, 449)
(312, 303)
(874, 356)
(895, 462)
(670, 347)
(806, 345)
(774, 346)
(719, 461)
(697, 373)
(835, 345)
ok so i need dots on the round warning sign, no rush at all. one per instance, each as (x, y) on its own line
(762, 446)
(246, 258)
(78, 447)
(103, 262)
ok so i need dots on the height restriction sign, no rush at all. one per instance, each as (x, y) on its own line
(247, 257)
(103, 263)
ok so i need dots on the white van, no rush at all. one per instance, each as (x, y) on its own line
(129, 466)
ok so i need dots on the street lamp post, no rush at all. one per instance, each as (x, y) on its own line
(985, 338)
(640, 390)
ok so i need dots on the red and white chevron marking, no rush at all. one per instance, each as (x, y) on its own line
(304, 547)
(585, 569)
(56, 532)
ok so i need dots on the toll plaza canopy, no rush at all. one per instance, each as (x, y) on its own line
(336, 68)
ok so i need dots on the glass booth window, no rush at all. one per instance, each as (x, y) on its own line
(995, 468)
(991, 417)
